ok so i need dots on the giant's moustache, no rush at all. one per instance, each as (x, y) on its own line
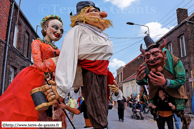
(154, 60)
(152, 65)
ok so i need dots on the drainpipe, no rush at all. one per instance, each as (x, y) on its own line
(7, 46)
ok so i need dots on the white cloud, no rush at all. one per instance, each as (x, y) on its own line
(156, 30)
(116, 63)
(121, 3)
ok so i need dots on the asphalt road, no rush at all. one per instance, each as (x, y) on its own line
(114, 123)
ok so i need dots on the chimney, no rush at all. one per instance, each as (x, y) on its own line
(181, 14)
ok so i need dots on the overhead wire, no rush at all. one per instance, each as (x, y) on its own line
(175, 17)
(135, 50)
(135, 53)
(115, 47)
(174, 14)
(134, 43)
(142, 39)
(159, 20)
(128, 46)
(171, 10)
(126, 40)
(121, 41)
(189, 15)
(125, 37)
(128, 52)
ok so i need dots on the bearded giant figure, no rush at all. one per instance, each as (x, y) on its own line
(162, 69)
(84, 59)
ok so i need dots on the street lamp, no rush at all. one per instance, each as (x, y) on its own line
(131, 23)
(37, 28)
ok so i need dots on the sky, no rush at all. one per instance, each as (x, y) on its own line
(158, 15)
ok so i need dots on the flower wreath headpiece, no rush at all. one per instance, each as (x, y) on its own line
(52, 16)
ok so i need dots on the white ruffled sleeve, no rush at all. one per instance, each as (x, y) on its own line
(67, 61)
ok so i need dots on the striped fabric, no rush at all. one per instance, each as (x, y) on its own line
(95, 94)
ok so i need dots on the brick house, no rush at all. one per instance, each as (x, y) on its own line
(125, 72)
(180, 42)
(18, 41)
(119, 78)
(128, 83)
(130, 86)
(4, 9)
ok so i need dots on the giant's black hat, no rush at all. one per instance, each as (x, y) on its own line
(150, 43)
(80, 5)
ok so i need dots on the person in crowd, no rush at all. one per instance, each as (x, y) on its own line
(80, 109)
(165, 106)
(72, 103)
(177, 121)
(131, 100)
(117, 95)
(79, 101)
(75, 92)
(143, 99)
(128, 98)
(122, 105)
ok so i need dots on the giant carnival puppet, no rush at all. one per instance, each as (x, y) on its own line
(16, 102)
(88, 47)
(163, 69)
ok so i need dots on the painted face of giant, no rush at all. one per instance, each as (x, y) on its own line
(54, 30)
(93, 17)
(155, 58)
(96, 18)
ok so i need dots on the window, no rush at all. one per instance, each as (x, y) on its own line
(32, 58)
(169, 46)
(11, 74)
(138, 89)
(182, 46)
(133, 89)
(31, 54)
(26, 44)
(120, 77)
(15, 36)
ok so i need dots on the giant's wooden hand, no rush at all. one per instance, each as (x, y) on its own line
(157, 79)
(114, 88)
(39, 98)
(50, 91)
(140, 73)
